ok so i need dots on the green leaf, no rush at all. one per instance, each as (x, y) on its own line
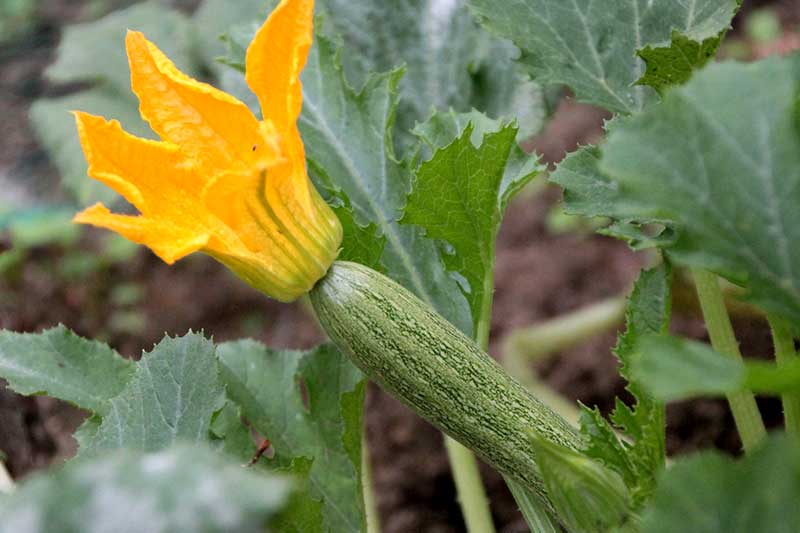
(591, 46)
(322, 438)
(639, 236)
(213, 21)
(228, 433)
(603, 445)
(364, 244)
(183, 488)
(349, 149)
(442, 129)
(675, 64)
(172, 396)
(640, 458)
(587, 496)
(502, 89)
(95, 51)
(713, 493)
(60, 364)
(449, 61)
(648, 312)
(672, 368)
(587, 191)
(718, 160)
(457, 198)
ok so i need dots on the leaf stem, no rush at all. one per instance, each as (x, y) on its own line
(370, 506)
(471, 495)
(785, 353)
(525, 345)
(718, 323)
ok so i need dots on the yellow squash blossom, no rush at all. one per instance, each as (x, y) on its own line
(220, 181)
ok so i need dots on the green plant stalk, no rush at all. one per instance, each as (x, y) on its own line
(718, 323)
(370, 506)
(469, 487)
(784, 354)
(531, 343)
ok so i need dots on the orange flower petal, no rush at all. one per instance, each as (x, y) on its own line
(208, 124)
(138, 169)
(275, 58)
(169, 242)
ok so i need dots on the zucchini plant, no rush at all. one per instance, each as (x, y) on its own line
(319, 165)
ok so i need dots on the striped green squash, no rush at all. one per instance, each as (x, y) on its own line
(433, 368)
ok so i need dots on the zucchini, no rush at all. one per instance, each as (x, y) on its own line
(429, 365)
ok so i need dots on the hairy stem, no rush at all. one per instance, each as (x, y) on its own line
(718, 323)
(370, 506)
(785, 353)
(471, 496)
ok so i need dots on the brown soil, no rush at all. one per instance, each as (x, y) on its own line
(539, 275)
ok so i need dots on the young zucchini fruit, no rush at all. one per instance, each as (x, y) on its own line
(428, 364)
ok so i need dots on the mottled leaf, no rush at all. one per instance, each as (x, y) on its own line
(182, 488)
(60, 364)
(592, 46)
(172, 396)
(719, 161)
(587, 191)
(449, 61)
(310, 406)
